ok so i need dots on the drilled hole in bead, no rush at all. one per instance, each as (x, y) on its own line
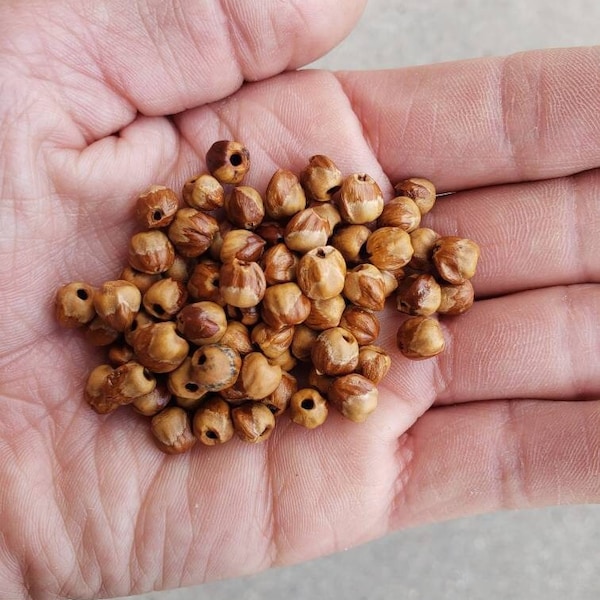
(201, 359)
(362, 177)
(321, 253)
(82, 294)
(157, 215)
(211, 435)
(236, 159)
(192, 387)
(272, 408)
(307, 404)
(158, 309)
(347, 339)
(147, 374)
(333, 190)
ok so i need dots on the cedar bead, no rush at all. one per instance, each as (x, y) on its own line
(329, 212)
(420, 337)
(354, 396)
(215, 367)
(400, 212)
(203, 283)
(335, 352)
(362, 323)
(321, 178)
(203, 192)
(241, 244)
(159, 348)
(422, 191)
(180, 270)
(184, 385)
(389, 248)
(253, 422)
(325, 314)
(279, 400)
(141, 320)
(272, 342)
(366, 286)
(142, 281)
(373, 363)
(151, 252)
(242, 283)
(308, 408)
(202, 322)
(214, 249)
(245, 207)
(320, 381)
(257, 377)
(172, 430)
(283, 305)
(212, 423)
(228, 161)
(237, 337)
(74, 305)
(271, 232)
(284, 196)
(321, 273)
(456, 299)
(351, 241)
(165, 298)
(303, 342)
(152, 403)
(360, 200)
(192, 232)
(306, 230)
(99, 333)
(117, 303)
(156, 207)
(455, 258)
(127, 382)
(419, 295)
(94, 392)
(279, 264)
(422, 240)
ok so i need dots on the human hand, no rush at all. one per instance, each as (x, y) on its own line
(88, 506)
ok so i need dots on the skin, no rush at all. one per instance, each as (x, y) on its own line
(507, 417)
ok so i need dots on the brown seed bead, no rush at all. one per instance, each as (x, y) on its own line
(98, 333)
(215, 367)
(360, 200)
(456, 299)
(180, 270)
(321, 273)
(286, 361)
(272, 342)
(156, 207)
(283, 305)
(172, 430)
(362, 323)
(306, 230)
(320, 381)
(159, 348)
(234, 395)
(321, 178)
(373, 362)
(242, 283)
(94, 393)
(142, 281)
(422, 191)
(335, 352)
(183, 384)
(422, 240)
(365, 286)
(119, 354)
(203, 283)
(279, 400)
(202, 322)
(420, 337)
(152, 403)
(212, 423)
(192, 231)
(253, 422)
(258, 378)
(419, 295)
(244, 207)
(354, 396)
(325, 314)
(389, 248)
(308, 408)
(237, 337)
(74, 305)
(246, 316)
(391, 279)
(400, 212)
(455, 258)
(151, 252)
(271, 232)
(303, 342)
(127, 382)
(284, 196)
(228, 161)
(350, 241)
(215, 248)
(329, 212)
(117, 303)
(241, 244)
(279, 264)
(165, 298)
(141, 320)
(203, 192)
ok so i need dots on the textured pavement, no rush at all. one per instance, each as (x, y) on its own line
(548, 554)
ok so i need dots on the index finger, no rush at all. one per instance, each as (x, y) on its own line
(529, 116)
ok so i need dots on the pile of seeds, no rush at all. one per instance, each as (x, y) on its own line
(225, 299)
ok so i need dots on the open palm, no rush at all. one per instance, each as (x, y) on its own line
(88, 506)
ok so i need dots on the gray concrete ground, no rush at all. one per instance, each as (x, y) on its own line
(547, 554)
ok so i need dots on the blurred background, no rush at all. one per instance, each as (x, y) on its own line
(549, 554)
